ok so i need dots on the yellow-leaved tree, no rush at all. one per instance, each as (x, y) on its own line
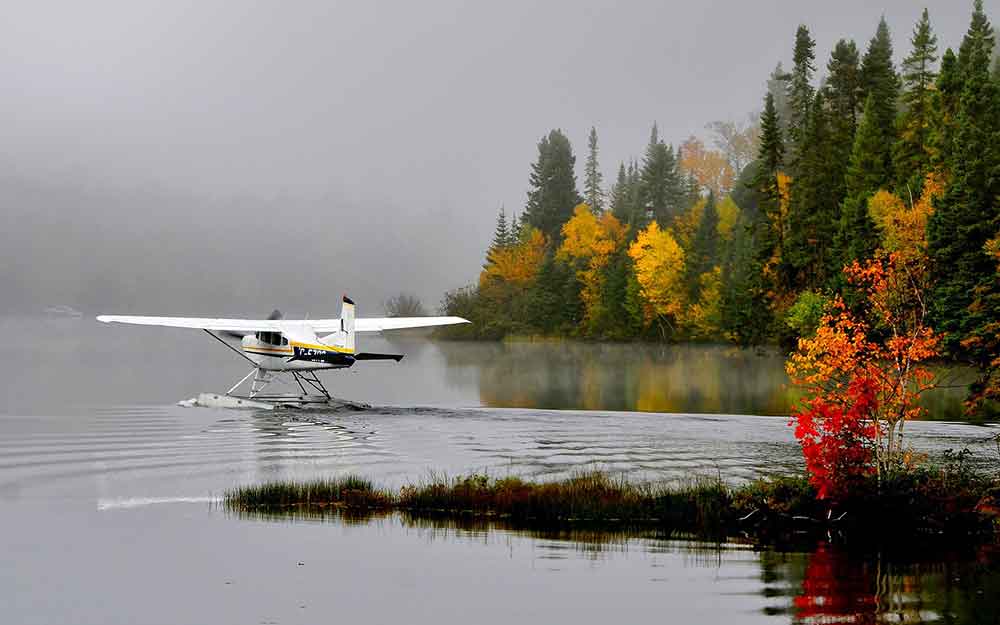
(589, 242)
(904, 228)
(659, 270)
(729, 214)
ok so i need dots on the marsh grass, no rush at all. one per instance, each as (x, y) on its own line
(942, 499)
(349, 490)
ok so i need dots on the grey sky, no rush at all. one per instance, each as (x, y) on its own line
(376, 134)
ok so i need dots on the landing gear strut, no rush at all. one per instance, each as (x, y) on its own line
(308, 382)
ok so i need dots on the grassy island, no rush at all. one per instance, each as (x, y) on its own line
(947, 500)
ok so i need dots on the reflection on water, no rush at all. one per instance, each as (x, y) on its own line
(650, 378)
(816, 582)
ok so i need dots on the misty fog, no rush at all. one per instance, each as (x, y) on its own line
(218, 158)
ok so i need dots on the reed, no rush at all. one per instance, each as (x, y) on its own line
(348, 490)
(931, 499)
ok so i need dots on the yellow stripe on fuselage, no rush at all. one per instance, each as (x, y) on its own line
(325, 348)
(268, 351)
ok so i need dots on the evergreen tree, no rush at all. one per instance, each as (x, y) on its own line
(552, 194)
(501, 235)
(692, 191)
(746, 314)
(867, 173)
(636, 211)
(880, 82)
(978, 40)
(843, 90)
(770, 162)
(967, 215)
(777, 86)
(800, 91)
(594, 196)
(814, 209)
(945, 111)
(704, 254)
(911, 155)
(619, 196)
(661, 185)
(841, 93)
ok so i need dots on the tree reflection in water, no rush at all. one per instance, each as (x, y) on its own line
(840, 586)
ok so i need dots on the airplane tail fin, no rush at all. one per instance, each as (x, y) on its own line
(347, 322)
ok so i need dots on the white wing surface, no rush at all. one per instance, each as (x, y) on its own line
(371, 324)
(377, 324)
(201, 323)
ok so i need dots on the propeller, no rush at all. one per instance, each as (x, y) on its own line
(274, 316)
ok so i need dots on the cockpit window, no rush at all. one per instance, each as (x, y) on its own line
(272, 338)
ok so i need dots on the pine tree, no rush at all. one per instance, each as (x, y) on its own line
(552, 194)
(777, 86)
(945, 112)
(800, 91)
(661, 185)
(912, 152)
(843, 90)
(593, 194)
(880, 82)
(704, 253)
(501, 235)
(867, 173)
(814, 209)
(841, 94)
(746, 313)
(770, 161)
(967, 215)
(619, 196)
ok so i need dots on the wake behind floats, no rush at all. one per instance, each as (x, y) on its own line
(296, 348)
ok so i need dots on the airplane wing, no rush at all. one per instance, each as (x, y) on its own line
(371, 324)
(378, 324)
(201, 323)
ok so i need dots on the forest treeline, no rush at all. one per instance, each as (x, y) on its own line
(746, 240)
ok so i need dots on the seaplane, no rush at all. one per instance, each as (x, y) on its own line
(278, 349)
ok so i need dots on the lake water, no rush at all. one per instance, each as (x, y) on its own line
(108, 490)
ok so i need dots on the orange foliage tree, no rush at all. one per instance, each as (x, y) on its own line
(589, 242)
(710, 168)
(514, 265)
(865, 366)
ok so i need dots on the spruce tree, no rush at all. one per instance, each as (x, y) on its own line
(770, 161)
(661, 185)
(619, 196)
(552, 194)
(777, 86)
(880, 82)
(867, 172)
(800, 92)
(501, 235)
(945, 112)
(704, 252)
(746, 313)
(967, 215)
(843, 89)
(912, 152)
(593, 194)
(814, 208)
